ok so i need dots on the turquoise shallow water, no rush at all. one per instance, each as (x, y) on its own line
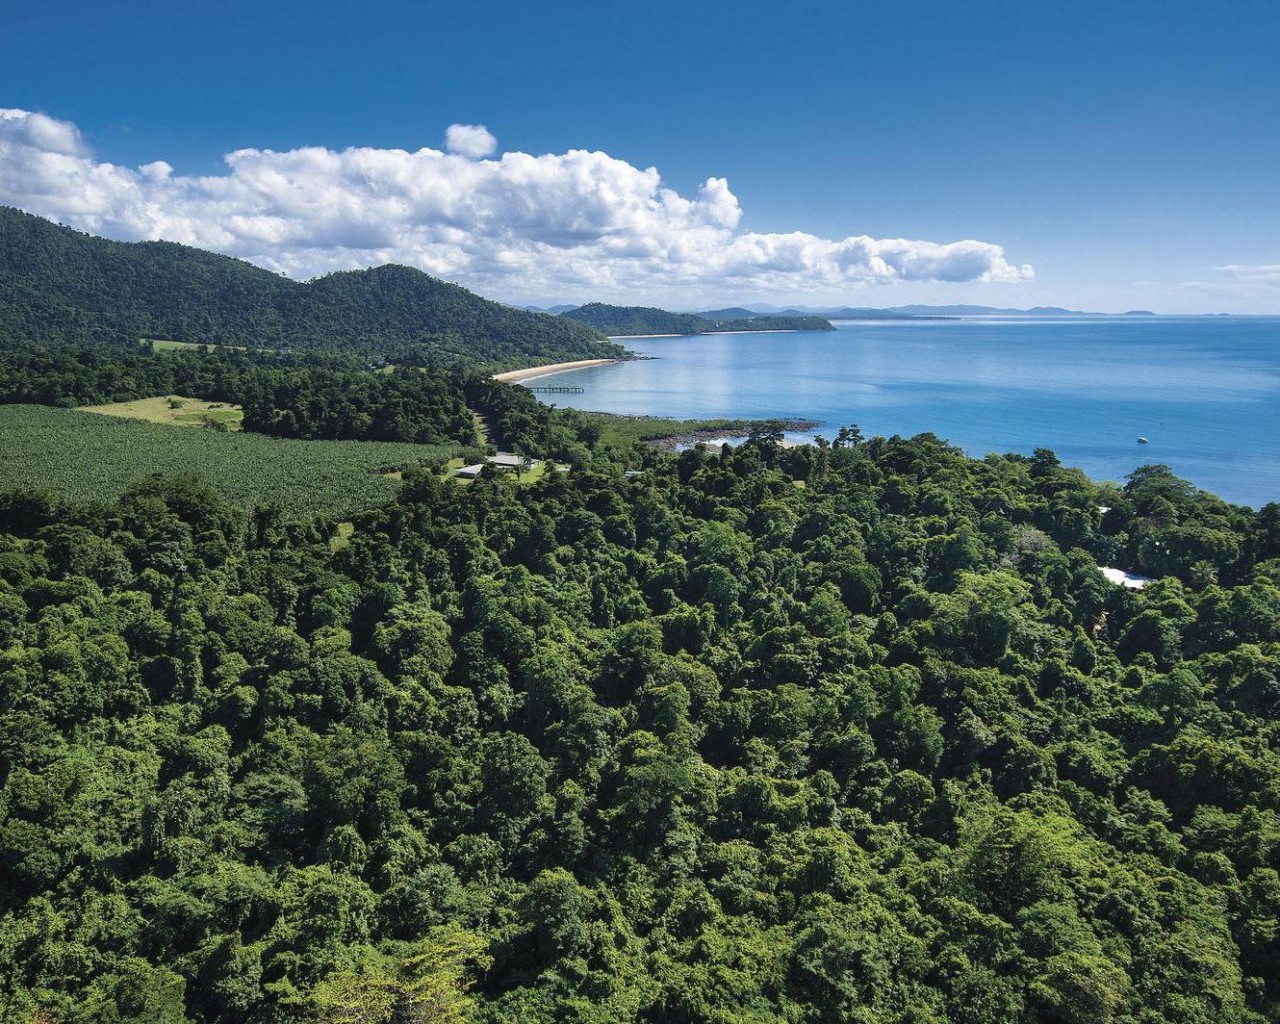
(1204, 390)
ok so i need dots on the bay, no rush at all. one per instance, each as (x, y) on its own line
(1205, 391)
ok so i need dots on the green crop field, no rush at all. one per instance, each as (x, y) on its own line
(85, 457)
(177, 410)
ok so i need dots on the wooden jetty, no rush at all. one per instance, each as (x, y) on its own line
(556, 389)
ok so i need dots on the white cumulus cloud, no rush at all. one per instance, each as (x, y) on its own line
(517, 226)
(473, 140)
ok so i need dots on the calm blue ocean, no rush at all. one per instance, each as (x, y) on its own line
(1204, 390)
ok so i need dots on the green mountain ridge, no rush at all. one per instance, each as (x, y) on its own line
(620, 321)
(59, 285)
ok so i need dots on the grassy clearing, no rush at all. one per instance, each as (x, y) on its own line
(83, 457)
(177, 410)
(527, 478)
(342, 535)
(533, 474)
(164, 345)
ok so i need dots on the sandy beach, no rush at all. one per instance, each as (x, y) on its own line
(534, 372)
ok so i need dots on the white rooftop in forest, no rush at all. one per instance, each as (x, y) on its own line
(1125, 579)
(508, 459)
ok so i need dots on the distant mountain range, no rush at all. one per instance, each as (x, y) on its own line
(620, 321)
(910, 312)
(59, 285)
(742, 313)
(917, 310)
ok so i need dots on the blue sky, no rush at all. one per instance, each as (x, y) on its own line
(1105, 156)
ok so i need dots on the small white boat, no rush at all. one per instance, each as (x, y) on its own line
(1143, 440)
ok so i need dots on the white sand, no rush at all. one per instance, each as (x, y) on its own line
(534, 372)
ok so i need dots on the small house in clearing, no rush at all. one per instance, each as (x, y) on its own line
(503, 462)
(506, 460)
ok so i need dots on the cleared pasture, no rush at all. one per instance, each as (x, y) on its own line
(165, 345)
(177, 410)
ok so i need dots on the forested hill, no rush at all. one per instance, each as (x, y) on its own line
(59, 285)
(624, 320)
(619, 320)
(771, 322)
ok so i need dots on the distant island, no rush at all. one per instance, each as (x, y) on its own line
(623, 321)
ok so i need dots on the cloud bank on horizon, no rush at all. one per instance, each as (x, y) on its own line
(515, 225)
(1256, 273)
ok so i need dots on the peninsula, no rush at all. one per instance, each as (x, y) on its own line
(638, 321)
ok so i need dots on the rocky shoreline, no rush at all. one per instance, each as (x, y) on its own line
(734, 431)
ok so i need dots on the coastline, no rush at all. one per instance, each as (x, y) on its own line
(703, 334)
(724, 435)
(629, 337)
(764, 330)
(534, 372)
